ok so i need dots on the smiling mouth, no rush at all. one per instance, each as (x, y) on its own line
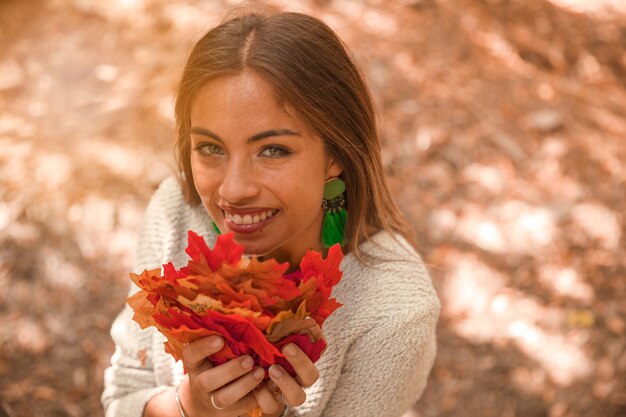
(249, 219)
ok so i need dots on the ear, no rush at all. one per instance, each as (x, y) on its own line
(334, 170)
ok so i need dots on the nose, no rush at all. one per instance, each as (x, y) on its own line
(239, 183)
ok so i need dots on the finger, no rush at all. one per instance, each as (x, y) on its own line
(292, 390)
(306, 371)
(221, 375)
(315, 333)
(267, 400)
(273, 388)
(236, 390)
(244, 405)
(196, 353)
(325, 342)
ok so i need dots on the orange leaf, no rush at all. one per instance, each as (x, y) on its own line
(253, 305)
(289, 323)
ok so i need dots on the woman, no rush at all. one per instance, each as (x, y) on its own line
(270, 111)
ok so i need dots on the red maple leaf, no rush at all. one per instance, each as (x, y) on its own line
(245, 301)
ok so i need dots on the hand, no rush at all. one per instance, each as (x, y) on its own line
(268, 394)
(223, 390)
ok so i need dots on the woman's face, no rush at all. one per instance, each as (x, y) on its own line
(259, 171)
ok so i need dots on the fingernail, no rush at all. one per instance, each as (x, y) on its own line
(216, 341)
(258, 373)
(247, 362)
(290, 350)
(276, 371)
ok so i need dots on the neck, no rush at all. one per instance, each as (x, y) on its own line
(293, 250)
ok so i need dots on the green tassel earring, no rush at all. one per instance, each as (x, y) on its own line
(215, 228)
(335, 215)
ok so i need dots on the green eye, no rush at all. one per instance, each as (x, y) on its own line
(209, 149)
(274, 152)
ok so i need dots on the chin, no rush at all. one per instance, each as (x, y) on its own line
(254, 248)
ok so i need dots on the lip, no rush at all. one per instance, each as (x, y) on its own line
(247, 228)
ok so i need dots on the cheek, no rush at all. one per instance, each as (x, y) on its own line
(304, 190)
(203, 180)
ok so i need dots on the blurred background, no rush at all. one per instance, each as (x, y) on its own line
(504, 132)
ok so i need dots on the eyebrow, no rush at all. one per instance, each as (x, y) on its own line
(254, 138)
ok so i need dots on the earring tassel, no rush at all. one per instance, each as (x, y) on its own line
(334, 226)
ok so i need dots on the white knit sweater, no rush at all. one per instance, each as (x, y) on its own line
(381, 343)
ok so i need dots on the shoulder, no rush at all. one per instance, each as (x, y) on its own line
(168, 204)
(167, 219)
(168, 196)
(386, 249)
(167, 209)
(391, 280)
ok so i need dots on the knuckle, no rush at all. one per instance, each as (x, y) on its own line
(217, 400)
(220, 400)
(234, 369)
(187, 355)
(202, 382)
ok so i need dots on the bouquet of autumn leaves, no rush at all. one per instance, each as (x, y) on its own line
(252, 304)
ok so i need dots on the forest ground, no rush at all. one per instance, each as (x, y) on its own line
(503, 126)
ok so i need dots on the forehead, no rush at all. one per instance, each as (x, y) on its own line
(245, 94)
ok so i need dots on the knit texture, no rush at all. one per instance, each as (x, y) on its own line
(381, 343)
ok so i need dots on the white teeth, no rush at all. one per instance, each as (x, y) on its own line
(248, 219)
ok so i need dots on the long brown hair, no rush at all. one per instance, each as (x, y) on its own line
(312, 71)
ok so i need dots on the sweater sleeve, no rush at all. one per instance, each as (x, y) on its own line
(385, 371)
(130, 381)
